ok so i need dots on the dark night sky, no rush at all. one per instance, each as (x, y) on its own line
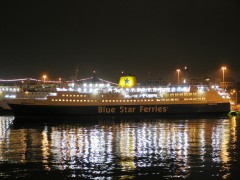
(137, 37)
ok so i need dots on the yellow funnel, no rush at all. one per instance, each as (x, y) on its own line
(127, 82)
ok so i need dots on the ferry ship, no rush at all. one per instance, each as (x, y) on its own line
(126, 98)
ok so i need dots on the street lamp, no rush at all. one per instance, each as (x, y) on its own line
(234, 92)
(223, 69)
(44, 78)
(178, 70)
(236, 95)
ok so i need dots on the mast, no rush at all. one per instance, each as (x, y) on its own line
(76, 74)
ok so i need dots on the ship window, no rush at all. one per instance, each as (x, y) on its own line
(116, 100)
(180, 94)
(113, 100)
(151, 99)
(70, 95)
(77, 95)
(80, 100)
(67, 100)
(167, 99)
(203, 98)
(70, 100)
(106, 100)
(84, 100)
(63, 95)
(85, 96)
(63, 99)
(171, 94)
(190, 99)
(185, 99)
(67, 95)
(176, 99)
(172, 99)
(127, 100)
(120, 100)
(134, 100)
(74, 95)
(102, 95)
(88, 100)
(52, 99)
(77, 100)
(123, 100)
(81, 95)
(91, 100)
(74, 100)
(59, 100)
(56, 100)
(110, 101)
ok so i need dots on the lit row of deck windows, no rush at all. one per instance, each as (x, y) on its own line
(182, 94)
(74, 100)
(74, 95)
(131, 100)
(185, 99)
(171, 95)
(9, 89)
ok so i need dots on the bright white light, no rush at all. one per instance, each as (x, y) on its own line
(10, 96)
(53, 94)
(95, 91)
(185, 89)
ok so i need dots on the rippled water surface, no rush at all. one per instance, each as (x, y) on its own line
(120, 148)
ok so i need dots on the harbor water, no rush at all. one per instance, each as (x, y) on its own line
(120, 148)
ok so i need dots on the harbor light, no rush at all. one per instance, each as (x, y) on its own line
(223, 69)
(44, 78)
(178, 70)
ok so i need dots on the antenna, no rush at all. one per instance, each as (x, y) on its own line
(76, 73)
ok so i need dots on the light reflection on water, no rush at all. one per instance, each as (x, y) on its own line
(121, 148)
